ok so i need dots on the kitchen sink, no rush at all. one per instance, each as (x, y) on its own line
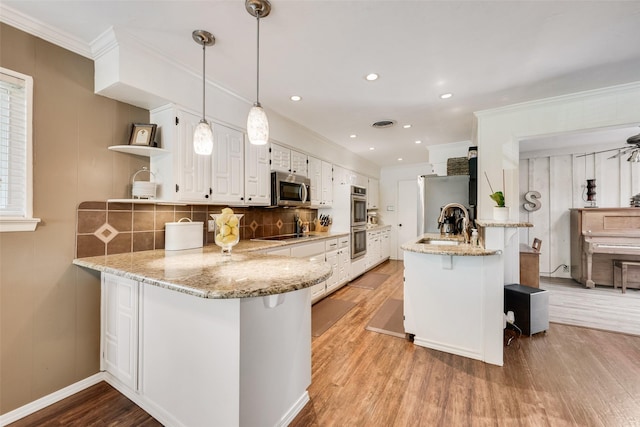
(442, 242)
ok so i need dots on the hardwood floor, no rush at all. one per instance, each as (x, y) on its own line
(570, 376)
(99, 405)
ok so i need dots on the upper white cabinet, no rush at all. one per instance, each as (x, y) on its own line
(321, 175)
(182, 175)
(373, 194)
(257, 176)
(298, 163)
(286, 160)
(227, 173)
(327, 184)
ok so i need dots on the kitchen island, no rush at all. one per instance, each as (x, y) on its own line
(453, 297)
(197, 339)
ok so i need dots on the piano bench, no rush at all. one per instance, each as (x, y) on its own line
(620, 273)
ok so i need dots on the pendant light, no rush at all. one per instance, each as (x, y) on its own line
(257, 122)
(203, 135)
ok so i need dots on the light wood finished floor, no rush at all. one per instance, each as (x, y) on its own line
(570, 376)
(602, 307)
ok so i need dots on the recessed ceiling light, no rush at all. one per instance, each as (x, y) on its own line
(295, 98)
(399, 159)
(371, 77)
(353, 135)
(372, 148)
(446, 95)
(406, 126)
(418, 142)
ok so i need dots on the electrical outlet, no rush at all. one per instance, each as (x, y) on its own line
(211, 226)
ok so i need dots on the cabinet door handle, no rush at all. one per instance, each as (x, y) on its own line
(206, 196)
(249, 198)
(241, 198)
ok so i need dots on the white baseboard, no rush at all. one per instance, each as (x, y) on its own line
(294, 410)
(50, 399)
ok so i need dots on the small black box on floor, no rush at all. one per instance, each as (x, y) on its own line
(530, 307)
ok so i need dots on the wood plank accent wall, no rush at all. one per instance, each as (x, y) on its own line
(561, 181)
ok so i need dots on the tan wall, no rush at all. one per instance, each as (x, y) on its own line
(49, 309)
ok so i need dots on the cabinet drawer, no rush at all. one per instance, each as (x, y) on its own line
(331, 245)
(343, 242)
(307, 250)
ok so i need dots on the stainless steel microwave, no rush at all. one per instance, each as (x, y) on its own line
(289, 190)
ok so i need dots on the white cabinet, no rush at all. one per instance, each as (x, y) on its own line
(314, 172)
(257, 184)
(286, 160)
(332, 259)
(119, 311)
(320, 174)
(373, 193)
(298, 163)
(181, 175)
(280, 158)
(372, 257)
(227, 173)
(385, 243)
(313, 251)
(344, 260)
(327, 185)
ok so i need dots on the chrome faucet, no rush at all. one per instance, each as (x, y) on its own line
(465, 220)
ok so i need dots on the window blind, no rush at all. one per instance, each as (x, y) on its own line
(13, 146)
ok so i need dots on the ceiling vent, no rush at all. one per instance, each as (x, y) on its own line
(383, 124)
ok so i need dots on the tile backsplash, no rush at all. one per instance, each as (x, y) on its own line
(105, 228)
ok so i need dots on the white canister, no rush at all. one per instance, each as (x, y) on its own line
(184, 234)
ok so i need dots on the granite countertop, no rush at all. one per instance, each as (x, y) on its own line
(205, 273)
(462, 249)
(505, 224)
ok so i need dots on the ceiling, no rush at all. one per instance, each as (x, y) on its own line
(486, 53)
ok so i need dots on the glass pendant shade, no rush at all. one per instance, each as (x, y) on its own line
(257, 126)
(203, 138)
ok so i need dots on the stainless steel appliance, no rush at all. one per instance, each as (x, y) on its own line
(358, 221)
(358, 206)
(289, 190)
(358, 242)
(433, 193)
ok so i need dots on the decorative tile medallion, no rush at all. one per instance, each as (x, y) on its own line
(106, 233)
(279, 224)
(254, 225)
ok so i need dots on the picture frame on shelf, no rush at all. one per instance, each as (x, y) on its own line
(143, 134)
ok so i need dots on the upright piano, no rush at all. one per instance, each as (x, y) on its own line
(598, 237)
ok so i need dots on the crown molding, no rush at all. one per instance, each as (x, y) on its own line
(46, 32)
(577, 96)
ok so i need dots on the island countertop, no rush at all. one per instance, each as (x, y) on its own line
(205, 273)
(461, 249)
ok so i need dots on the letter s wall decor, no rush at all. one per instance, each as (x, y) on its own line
(533, 202)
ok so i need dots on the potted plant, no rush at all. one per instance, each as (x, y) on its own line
(500, 211)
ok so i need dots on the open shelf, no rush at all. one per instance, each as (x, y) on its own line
(139, 150)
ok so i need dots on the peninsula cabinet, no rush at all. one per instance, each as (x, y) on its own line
(119, 344)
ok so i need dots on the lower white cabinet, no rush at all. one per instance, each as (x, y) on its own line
(378, 247)
(335, 251)
(191, 361)
(119, 328)
(385, 244)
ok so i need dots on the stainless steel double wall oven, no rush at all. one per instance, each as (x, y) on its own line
(358, 221)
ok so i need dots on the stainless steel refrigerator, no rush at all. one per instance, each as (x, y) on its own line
(436, 191)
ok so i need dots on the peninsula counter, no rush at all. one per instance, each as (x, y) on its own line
(196, 339)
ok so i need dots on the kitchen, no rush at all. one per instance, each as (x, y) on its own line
(58, 298)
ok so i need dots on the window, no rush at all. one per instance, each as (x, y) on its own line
(16, 182)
